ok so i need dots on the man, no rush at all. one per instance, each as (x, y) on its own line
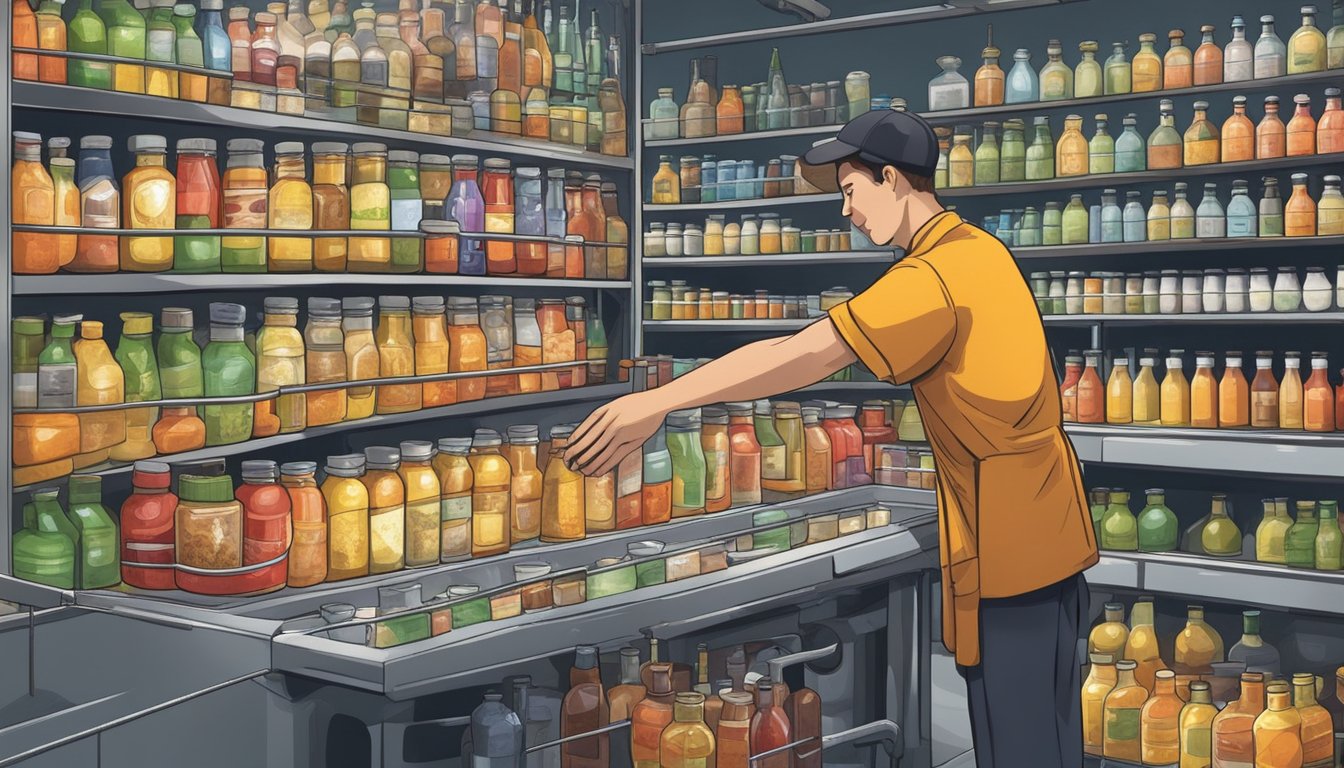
(955, 319)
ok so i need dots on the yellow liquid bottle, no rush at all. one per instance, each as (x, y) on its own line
(1122, 716)
(370, 208)
(1071, 152)
(489, 495)
(1199, 645)
(431, 350)
(99, 382)
(290, 207)
(1101, 678)
(32, 201)
(281, 362)
(1290, 392)
(1161, 722)
(387, 509)
(960, 159)
(1270, 533)
(422, 504)
(1175, 394)
(454, 470)
(347, 501)
(1147, 393)
(563, 517)
(331, 204)
(361, 355)
(1197, 727)
(599, 503)
(1278, 731)
(1201, 138)
(396, 355)
(687, 742)
(149, 201)
(1120, 394)
(1318, 730)
(140, 372)
(1141, 646)
(67, 207)
(1204, 393)
(666, 183)
(525, 486)
(1109, 637)
(1146, 66)
(1306, 46)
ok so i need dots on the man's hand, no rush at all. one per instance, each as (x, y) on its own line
(611, 432)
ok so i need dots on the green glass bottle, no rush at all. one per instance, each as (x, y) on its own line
(1119, 528)
(180, 373)
(229, 369)
(688, 463)
(44, 549)
(403, 183)
(140, 369)
(125, 39)
(1220, 536)
(1074, 221)
(97, 549)
(1299, 544)
(774, 455)
(1158, 530)
(1118, 73)
(1101, 149)
(987, 155)
(1269, 535)
(1099, 497)
(1013, 153)
(88, 34)
(56, 366)
(1040, 159)
(1052, 224)
(1329, 539)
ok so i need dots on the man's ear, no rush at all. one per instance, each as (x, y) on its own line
(890, 176)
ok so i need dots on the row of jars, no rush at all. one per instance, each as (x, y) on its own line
(364, 186)
(1176, 219)
(708, 179)
(755, 234)
(677, 301)
(420, 337)
(1202, 401)
(1308, 50)
(962, 164)
(1187, 292)
(442, 71)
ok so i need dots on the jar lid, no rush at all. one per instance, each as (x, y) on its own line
(330, 148)
(347, 464)
(357, 306)
(183, 145)
(562, 430)
(176, 317)
(151, 474)
(394, 303)
(293, 468)
(403, 156)
(522, 434)
(382, 457)
(281, 305)
(86, 488)
(417, 450)
(486, 438)
(368, 148)
(428, 305)
(455, 445)
(105, 142)
(223, 313)
(259, 469)
(199, 488)
(289, 148)
(244, 146)
(143, 142)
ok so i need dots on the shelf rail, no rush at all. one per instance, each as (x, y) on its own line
(223, 74)
(568, 240)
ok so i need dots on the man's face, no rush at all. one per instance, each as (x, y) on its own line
(872, 206)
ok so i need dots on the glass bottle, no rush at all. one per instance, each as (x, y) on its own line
(1147, 400)
(1122, 716)
(1299, 543)
(529, 219)
(125, 40)
(1072, 154)
(585, 709)
(1119, 394)
(656, 502)
(1330, 128)
(1270, 52)
(229, 369)
(1277, 731)
(961, 161)
(245, 197)
(1306, 51)
(198, 207)
(775, 97)
(1158, 529)
(1270, 133)
(1198, 645)
(1220, 536)
(87, 34)
(1328, 538)
(148, 202)
(1300, 133)
(1130, 151)
(1208, 65)
(1196, 726)
(989, 78)
(688, 463)
(1040, 161)
(347, 501)
(1238, 55)
(1175, 394)
(308, 553)
(1101, 149)
(140, 370)
(1159, 217)
(1147, 65)
(1238, 134)
(361, 355)
(1160, 722)
(1299, 214)
(497, 732)
(290, 206)
(216, 49)
(1134, 219)
(562, 499)
(1118, 72)
(396, 355)
(1021, 85)
(44, 549)
(454, 470)
(1142, 645)
(1088, 81)
(1178, 63)
(406, 208)
(1210, 220)
(1201, 138)
(687, 741)
(986, 162)
(330, 204)
(770, 726)
(1101, 679)
(1012, 156)
(490, 495)
(1110, 636)
(466, 206)
(651, 717)
(99, 382)
(949, 90)
(280, 363)
(370, 208)
(1318, 738)
(1252, 650)
(1233, 743)
(1164, 143)
(1119, 527)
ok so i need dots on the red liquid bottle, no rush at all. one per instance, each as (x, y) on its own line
(769, 728)
(873, 425)
(148, 548)
(266, 527)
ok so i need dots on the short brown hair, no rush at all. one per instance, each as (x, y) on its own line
(917, 183)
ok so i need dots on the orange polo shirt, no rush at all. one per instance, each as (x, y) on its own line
(956, 320)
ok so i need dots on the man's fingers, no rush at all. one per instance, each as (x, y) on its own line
(580, 452)
(599, 418)
(607, 459)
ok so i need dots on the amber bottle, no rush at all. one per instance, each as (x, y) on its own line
(584, 709)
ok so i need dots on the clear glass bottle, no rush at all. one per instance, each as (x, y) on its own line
(949, 90)
(1238, 55)
(1022, 84)
(1134, 220)
(1118, 72)
(987, 155)
(1271, 58)
(280, 363)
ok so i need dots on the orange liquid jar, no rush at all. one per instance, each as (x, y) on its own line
(1091, 393)
(1270, 134)
(497, 188)
(1318, 397)
(989, 77)
(1301, 132)
(1330, 128)
(178, 430)
(557, 343)
(431, 350)
(466, 347)
(729, 112)
(1178, 65)
(1238, 134)
(1208, 59)
(1299, 213)
(1233, 394)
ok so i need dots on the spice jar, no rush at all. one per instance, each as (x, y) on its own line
(1234, 291)
(693, 241)
(1261, 291)
(1134, 294)
(1040, 290)
(824, 241)
(1058, 293)
(1287, 291)
(1316, 290)
(770, 234)
(1073, 294)
(1169, 293)
(209, 533)
(714, 235)
(1113, 293)
(690, 179)
(674, 239)
(1214, 288)
(751, 235)
(660, 301)
(1152, 290)
(732, 238)
(809, 241)
(1093, 288)
(1192, 292)
(441, 246)
(267, 531)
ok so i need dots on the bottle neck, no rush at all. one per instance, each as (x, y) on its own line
(1304, 693)
(630, 669)
(688, 713)
(150, 160)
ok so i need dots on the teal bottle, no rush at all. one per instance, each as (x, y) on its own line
(1299, 544)
(97, 553)
(44, 549)
(1131, 151)
(1119, 529)
(1022, 84)
(88, 34)
(1241, 211)
(1158, 529)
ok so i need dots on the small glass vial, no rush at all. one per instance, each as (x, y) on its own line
(1215, 286)
(1317, 293)
(1235, 290)
(1287, 291)
(1260, 293)
(1192, 292)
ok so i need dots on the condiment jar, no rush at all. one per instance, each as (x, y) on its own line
(1316, 290)
(714, 235)
(1058, 293)
(1040, 290)
(1152, 292)
(1287, 291)
(1169, 293)
(655, 240)
(1261, 291)
(1192, 293)
(1113, 294)
(1134, 294)
(209, 534)
(732, 238)
(1093, 288)
(1073, 294)
(1214, 288)
(674, 239)
(1234, 291)
(693, 241)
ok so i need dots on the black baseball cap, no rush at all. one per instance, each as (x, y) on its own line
(881, 137)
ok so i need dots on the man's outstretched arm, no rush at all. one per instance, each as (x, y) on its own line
(754, 371)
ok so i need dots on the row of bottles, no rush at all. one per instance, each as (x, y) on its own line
(1137, 708)
(1174, 217)
(339, 344)
(1307, 50)
(775, 104)
(423, 503)
(752, 234)
(708, 179)
(449, 68)
(1312, 540)
(1203, 400)
(359, 187)
(964, 163)
(1186, 292)
(680, 302)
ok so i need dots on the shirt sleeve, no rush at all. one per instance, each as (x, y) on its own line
(902, 326)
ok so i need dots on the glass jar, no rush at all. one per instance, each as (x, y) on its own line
(1210, 221)
(1169, 293)
(1052, 225)
(1058, 294)
(1087, 76)
(1073, 294)
(1013, 154)
(1113, 294)
(949, 90)
(1152, 293)
(1260, 293)
(1287, 291)
(1135, 219)
(1215, 286)
(1317, 292)
(1022, 85)
(1235, 290)
(1056, 79)
(1192, 292)
(1134, 294)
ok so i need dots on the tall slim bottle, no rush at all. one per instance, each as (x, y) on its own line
(650, 717)
(1252, 650)
(584, 709)
(125, 40)
(88, 34)
(1318, 732)
(1196, 727)
(99, 382)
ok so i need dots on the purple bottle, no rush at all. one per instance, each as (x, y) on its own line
(466, 206)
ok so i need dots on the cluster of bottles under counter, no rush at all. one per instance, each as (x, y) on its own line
(1308, 50)
(445, 69)
(1139, 709)
(359, 187)
(1313, 540)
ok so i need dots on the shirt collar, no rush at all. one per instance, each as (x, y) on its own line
(934, 230)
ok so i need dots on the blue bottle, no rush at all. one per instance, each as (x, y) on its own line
(1112, 220)
(1022, 84)
(1134, 219)
(727, 180)
(709, 180)
(1004, 229)
(1131, 153)
(746, 180)
(215, 43)
(1241, 211)
(95, 160)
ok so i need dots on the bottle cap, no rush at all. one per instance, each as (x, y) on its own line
(205, 489)
(143, 142)
(281, 305)
(382, 457)
(289, 148)
(1267, 19)
(1176, 34)
(428, 305)
(259, 470)
(403, 156)
(357, 306)
(471, 160)
(417, 450)
(330, 148)
(136, 323)
(585, 657)
(690, 699)
(486, 438)
(324, 307)
(223, 313)
(522, 434)
(457, 446)
(184, 9)
(1301, 98)
(562, 430)
(86, 488)
(435, 160)
(294, 468)
(212, 5)
(394, 303)
(262, 17)
(206, 146)
(368, 148)
(245, 146)
(151, 474)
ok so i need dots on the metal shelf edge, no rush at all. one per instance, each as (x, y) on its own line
(49, 285)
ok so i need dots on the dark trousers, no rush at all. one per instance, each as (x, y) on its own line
(1024, 696)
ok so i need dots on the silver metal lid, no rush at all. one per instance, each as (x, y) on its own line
(143, 142)
(245, 146)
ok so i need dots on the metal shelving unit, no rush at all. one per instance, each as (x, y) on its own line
(1231, 318)
(718, 326)
(1300, 455)
(1215, 245)
(773, 260)
(167, 282)
(755, 202)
